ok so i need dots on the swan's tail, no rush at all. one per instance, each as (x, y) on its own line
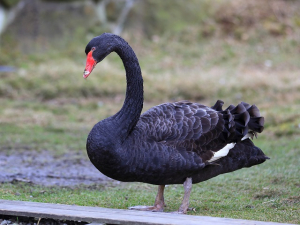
(241, 121)
(244, 154)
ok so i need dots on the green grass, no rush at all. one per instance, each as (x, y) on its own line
(268, 192)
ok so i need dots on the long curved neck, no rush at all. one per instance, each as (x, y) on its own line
(126, 119)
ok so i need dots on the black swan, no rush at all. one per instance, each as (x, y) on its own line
(172, 143)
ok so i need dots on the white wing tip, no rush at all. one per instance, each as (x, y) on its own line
(222, 152)
(248, 135)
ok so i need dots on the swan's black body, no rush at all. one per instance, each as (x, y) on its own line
(172, 141)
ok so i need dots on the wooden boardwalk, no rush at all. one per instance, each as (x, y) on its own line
(112, 216)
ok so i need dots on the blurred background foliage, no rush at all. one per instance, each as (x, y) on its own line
(197, 50)
(42, 26)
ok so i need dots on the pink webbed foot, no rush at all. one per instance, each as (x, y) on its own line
(147, 208)
(158, 205)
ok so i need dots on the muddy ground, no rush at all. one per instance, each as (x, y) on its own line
(44, 168)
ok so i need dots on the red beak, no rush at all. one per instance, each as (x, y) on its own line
(90, 65)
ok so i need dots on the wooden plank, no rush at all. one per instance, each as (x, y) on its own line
(111, 216)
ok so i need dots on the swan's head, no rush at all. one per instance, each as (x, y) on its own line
(96, 50)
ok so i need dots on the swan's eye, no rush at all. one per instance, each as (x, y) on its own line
(93, 49)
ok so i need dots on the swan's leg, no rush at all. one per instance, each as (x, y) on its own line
(159, 200)
(158, 204)
(187, 192)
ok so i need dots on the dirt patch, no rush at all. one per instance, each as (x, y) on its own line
(44, 168)
(292, 200)
(267, 194)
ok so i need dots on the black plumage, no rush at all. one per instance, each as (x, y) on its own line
(172, 143)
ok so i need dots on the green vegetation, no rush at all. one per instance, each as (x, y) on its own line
(269, 192)
(46, 104)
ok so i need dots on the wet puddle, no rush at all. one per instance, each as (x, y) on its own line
(44, 168)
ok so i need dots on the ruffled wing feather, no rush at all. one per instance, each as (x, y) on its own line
(198, 128)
